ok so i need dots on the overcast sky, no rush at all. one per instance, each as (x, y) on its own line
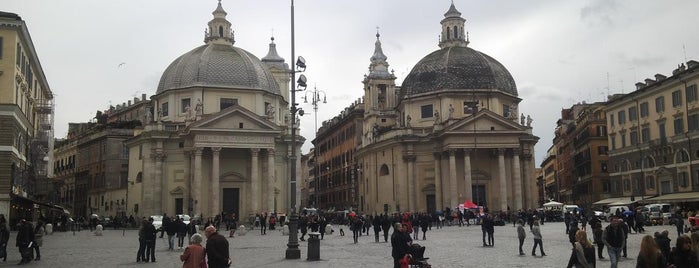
(559, 52)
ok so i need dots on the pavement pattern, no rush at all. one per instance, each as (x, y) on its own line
(451, 246)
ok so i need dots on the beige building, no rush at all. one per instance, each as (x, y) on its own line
(216, 138)
(26, 124)
(452, 132)
(654, 135)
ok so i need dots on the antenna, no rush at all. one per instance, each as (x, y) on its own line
(608, 84)
(684, 49)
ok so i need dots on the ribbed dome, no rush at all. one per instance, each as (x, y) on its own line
(218, 65)
(459, 68)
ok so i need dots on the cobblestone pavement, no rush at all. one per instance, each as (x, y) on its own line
(448, 247)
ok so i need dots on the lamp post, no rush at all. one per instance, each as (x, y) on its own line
(315, 100)
(292, 250)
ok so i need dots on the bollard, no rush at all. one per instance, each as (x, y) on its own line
(313, 246)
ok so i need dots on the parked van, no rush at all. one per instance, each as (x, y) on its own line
(611, 211)
(658, 212)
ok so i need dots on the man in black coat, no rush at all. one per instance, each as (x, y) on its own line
(150, 234)
(216, 249)
(25, 236)
(385, 226)
(400, 242)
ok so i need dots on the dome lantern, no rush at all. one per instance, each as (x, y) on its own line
(379, 67)
(219, 30)
(453, 33)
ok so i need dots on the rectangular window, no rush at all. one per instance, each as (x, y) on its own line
(602, 150)
(19, 55)
(679, 125)
(227, 102)
(622, 117)
(426, 111)
(601, 131)
(644, 109)
(506, 111)
(676, 98)
(470, 107)
(185, 103)
(611, 120)
(613, 142)
(645, 135)
(632, 114)
(650, 182)
(0, 47)
(693, 122)
(164, 109)
(682, 178)
(623, 140)
(660, 104)
(661, 130)
(691, 92)
(634, 137)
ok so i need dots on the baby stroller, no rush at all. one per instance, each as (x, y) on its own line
(417, 259)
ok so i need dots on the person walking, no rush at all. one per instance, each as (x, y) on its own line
(4, 239)
(400, 244)
(181, 233)
(150, 234)
(356, 228)
(165, 222)
(303, 226)
(613, 238)
(385, 226)
(322, 223)
(141, 253)
(663, 242)
(583, 255)
(424, 225)
(489, 224)
(39, 232)
(521, 235)
(650, 256)
(376, 222)
(415, 220)
(216, 249)
(536, 234)
(25, 236)
(597, 232)
(263, 224)
(195, 254)
(572, 232)
(171, 230)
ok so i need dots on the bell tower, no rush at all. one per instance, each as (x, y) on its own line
(379, 93)
(453, 33)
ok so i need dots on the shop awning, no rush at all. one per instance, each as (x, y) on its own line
(619, 201)
(673, 198)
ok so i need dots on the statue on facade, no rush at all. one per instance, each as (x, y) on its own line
(521, 119)
(148, 116)
(199, 109)
(188, 112)
(437, 120)
(407, 121)
(451, 111)
(270, 111)
(529, 120)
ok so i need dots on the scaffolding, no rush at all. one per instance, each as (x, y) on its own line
(42, 148)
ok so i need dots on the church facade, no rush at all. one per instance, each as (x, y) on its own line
(216, 137)
(451, 132)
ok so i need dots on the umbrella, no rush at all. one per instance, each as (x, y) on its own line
(628, 212)
(94, 216)
(469, 204)
(352, 214)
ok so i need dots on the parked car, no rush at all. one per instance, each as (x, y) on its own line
(157, 221)
(107, 222)
(611, 211)
(658, 212)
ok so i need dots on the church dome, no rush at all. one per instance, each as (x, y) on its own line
(218, 65)
(457, 68)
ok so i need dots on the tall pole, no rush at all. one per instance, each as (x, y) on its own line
(292, 250)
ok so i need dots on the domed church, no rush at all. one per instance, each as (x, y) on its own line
(450, 133)
(217, 135)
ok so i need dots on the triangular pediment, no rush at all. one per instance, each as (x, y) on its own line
(179, 190)
(484, 120)
(234, 119)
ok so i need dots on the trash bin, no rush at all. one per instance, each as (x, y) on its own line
(666, 220)
(313, 246)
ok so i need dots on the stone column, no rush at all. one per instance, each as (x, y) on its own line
(196, 185)
(531, 199)
(158, 182)
(270, 180)
(187, 180)
(468, 181)
(438, 182)
(516, 174)
(412, 182)
(453, 185)
(503, 179)
(215, 177)
(254, 182)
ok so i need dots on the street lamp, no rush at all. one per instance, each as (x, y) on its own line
(315, 99)
(292, 250)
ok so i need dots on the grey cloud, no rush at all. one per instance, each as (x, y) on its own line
(599, 12)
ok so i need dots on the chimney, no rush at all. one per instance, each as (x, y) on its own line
(659, 77)
(129, 103)
(692, 64)
(118, 107)
(143, 96)
(640, 85)
(649, 81)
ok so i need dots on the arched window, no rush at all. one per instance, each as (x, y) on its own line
(139, 177)
(456, 32)
(384, 170)
(448, 33)
(220, 31)
(648, 162)
(681, 156)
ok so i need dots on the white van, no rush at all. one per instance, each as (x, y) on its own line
(659, 211)
(611, 211)
(569, 209)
